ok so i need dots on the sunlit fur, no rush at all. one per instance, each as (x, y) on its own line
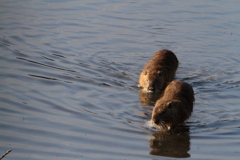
(159, 71)
(174, 107)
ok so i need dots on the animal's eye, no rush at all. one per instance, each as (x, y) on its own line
(170, 106)
(145, 73)
(159, 73)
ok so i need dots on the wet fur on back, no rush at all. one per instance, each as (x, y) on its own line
(159, 71)
(174, 107)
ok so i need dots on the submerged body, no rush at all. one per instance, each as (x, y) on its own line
(159, 71)
(174, 107)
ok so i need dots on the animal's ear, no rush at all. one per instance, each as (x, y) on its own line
(161, 71)
(173, 104)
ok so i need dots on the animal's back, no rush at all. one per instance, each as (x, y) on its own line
(163, 58)
(179, 90)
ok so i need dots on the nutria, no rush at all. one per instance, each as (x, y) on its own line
(174, 107)
(159, 71)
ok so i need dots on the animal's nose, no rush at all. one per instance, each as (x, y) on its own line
(151, 89)
(155, 120)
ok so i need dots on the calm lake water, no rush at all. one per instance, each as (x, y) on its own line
(68, 71)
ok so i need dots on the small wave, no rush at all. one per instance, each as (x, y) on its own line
(150, 125)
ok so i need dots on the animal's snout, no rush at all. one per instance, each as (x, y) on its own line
(156, 120)
(152, 84)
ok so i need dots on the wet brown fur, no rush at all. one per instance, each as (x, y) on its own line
(174, 107)
(159, 71)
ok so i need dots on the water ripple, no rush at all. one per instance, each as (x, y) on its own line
(68, 71)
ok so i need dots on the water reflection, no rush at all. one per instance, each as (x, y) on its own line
(66, 67)
(176, 145)
(148, 99)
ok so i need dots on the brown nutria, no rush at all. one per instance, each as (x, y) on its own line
(174, 107)
(159, 71)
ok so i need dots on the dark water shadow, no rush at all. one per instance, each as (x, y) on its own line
(175, 145)
(148, 99)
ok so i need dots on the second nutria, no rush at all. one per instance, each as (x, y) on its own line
(174, 107)
(159, 71)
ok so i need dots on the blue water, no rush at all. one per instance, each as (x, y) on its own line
(68, 71)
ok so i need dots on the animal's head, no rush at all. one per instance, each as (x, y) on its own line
(152, 80)
(166, 115)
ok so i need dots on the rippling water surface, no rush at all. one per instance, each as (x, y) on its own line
(68, 71)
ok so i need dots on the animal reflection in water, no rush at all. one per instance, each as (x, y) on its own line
(170, 145)
(148, 99)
